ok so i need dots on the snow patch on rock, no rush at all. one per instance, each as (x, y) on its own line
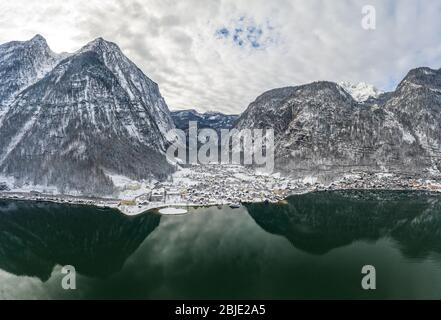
(362, 91)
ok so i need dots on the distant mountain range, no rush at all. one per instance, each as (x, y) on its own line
(213, 120)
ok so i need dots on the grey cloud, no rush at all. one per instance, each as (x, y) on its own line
(175, 42)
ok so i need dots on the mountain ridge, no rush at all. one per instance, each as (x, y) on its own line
(210, 119)
(321, 130)
(22, 63)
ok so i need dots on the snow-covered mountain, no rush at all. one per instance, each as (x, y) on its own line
(22, 63)
(78, 121)
(213, 120)
(94, 115)
(138, 86)
(321, 130)
(361, 92)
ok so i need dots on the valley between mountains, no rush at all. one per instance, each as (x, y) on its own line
(91, 127)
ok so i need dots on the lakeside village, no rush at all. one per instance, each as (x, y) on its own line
(211, 185)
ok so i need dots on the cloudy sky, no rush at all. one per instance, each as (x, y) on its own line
(221, 54)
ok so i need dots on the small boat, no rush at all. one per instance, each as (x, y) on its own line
(235, 206)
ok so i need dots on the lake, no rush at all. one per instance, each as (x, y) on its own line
(312, 246)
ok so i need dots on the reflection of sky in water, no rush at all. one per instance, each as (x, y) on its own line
(214, 253)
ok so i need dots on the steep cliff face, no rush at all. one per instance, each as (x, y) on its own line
(93, 115)
(416, 104)
(140, 89)
(321, 129)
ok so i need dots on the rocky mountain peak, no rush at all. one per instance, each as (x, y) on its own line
(39, 39)
(139, 87)
(421, 78)
(23, 63)
(361, 92)
(101, 46)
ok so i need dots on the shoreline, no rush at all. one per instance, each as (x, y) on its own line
(111, 203)
(213, 185)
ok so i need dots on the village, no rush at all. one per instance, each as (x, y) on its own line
(233, 185)
(210, 185)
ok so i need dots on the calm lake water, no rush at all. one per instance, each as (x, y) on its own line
(314, 246)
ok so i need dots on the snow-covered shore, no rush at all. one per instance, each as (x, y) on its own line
(204, 186)
(182, 208)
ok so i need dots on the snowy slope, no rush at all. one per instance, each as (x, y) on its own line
(361, 92)
(138, 86)
(22, 64)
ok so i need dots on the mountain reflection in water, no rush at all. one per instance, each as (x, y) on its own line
(322, 221)
(34, 237)
(310, 246)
